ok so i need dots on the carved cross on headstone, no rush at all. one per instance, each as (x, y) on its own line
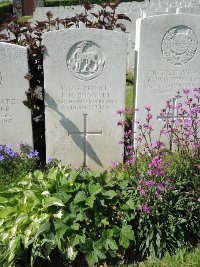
(85, 133)
(173, 116)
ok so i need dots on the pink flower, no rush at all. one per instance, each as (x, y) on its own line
(196, 145)
(198, 199)
(186, 91)
(120, 111)
(198, 166)
(114, 164)
(148, 108)
(145, 208)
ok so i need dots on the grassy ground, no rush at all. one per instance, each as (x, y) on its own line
(24, 18)
(181, 259)
(6, 3)
(129, 89)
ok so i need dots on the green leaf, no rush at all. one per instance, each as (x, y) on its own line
(43, 228)
(53, 201)
(94, 189)
(126, 235)
(110, 194)
(90, 201)
(38, 175)
(3, 200)
(80, 196)
(7, 211)
(91, 258)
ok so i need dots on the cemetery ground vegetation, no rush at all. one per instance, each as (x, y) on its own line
(145, 207)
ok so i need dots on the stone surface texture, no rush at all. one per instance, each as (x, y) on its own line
(84, 72)
(15, 117)
(168, 53)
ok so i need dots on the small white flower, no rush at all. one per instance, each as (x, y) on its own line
(58, 215)
(45, 193)
(70, 252)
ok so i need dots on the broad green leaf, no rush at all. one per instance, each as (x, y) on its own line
(3, 200)
(80, 196)
(131, 204)
(7, 211)
(112, 244)
(43, 228)
(126, 234)
(38, 175)
(91, 258)
(90, 201)
(53, 201)
(94, 189)
(110, 193)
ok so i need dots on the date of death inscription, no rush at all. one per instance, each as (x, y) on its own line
(88, 97)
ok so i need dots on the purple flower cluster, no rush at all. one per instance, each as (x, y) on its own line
(33, 154)
(7, 151)
(145, 208)
(155, 167)
(149, 189)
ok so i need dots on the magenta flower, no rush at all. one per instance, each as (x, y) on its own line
(198, 166)
(114, 164)
(120, 111)
(198, 199)
(145, 208)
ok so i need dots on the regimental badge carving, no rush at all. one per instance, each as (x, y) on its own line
(179, 45)
(85, 60)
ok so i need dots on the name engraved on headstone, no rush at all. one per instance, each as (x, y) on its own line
(169, 81)
(179, 45)
(6, 106)
(87, 97)
(85, 60)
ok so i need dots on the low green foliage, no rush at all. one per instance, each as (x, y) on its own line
(5, 9)
(14, 165)
(129, 90)
(182, 258)
(100, 217)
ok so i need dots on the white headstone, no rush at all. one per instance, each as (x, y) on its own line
(167, 61)
(15, 117)
(84, 72)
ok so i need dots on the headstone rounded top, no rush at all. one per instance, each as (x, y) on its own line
(179, 45)
(85, 60)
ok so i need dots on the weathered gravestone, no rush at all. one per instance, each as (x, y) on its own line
(15, 117)
(168, 60)
(84, 72)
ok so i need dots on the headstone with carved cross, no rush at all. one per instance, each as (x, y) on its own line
(15, 117)
(167, 61)
(84, 72)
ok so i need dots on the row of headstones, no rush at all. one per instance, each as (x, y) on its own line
(84, 73)
(134, 10)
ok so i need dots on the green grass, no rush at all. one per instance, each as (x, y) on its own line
(181, 259)
(24, 18)
(6, 3)
(129, 90)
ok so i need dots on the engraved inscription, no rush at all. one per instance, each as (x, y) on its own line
(179, 45)
(85, 60)
(87, 97)
(170, 81)
(5, 112)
